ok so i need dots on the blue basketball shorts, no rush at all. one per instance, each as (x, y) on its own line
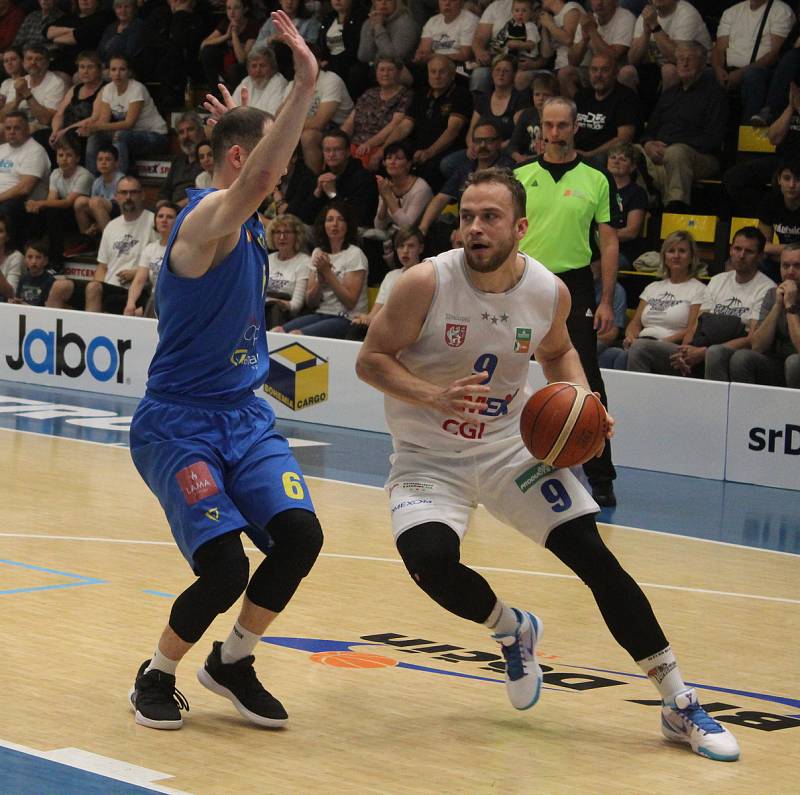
(216, 470)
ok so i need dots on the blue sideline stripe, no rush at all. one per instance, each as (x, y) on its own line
(158, 593)
(83, 579)
(28, 773)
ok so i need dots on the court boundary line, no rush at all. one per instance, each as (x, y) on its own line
(378, 559)
(121, 446)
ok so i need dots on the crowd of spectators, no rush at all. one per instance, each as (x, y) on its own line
(411, 98)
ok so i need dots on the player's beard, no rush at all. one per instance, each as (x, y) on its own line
(495, 260)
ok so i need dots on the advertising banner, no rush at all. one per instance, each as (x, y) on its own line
(75, 350)
(764, 436)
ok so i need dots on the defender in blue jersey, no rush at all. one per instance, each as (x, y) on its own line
(202, 441)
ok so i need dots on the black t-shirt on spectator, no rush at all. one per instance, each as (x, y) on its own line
(431, 114)
(527, 129)
(599, 119)
(516, 102)
(790, 145)
(784, 222)
(632, 197)
(34, 290)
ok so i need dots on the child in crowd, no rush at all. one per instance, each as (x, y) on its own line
(519, 36)
(10, 264)
(93, 212)
(69, 182)
(35, 284)
(526, 140)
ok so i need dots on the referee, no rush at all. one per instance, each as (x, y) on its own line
(565, 195)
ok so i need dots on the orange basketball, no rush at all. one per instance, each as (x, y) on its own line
(562, 424)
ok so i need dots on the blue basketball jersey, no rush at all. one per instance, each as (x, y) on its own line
(212, 347)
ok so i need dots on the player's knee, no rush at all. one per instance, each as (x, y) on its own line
(577, 543)
(298, 534)
(429, 551)
(223, 571)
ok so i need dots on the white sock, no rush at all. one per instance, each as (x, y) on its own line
(502, 620)
(662, 670)
(240, 643)
(162, 663)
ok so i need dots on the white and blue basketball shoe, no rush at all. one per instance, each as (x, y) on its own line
(683, 720)
(523, 674)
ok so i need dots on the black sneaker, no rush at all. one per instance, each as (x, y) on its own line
(155, 699)
(603, 494)
(238, 682)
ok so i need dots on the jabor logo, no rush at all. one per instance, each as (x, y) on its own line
(768, 439)
(46, 352)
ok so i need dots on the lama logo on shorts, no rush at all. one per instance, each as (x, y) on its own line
(196, 482)
(455, 334)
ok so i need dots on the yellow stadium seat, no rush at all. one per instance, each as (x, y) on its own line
(702, 227)
(372, 294)
(754, 139)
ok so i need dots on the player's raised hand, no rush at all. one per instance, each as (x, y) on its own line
(305, 64)
(218, 109)
(459, 396)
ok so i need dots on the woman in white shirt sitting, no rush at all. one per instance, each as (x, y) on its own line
(337, 286)
(289, 269)
(127, 117)
(667, 307)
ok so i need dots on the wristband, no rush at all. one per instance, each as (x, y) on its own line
(794, 309)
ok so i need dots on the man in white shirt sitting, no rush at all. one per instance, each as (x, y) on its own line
(24, 168)
(38, 93)
(651, 58)
(744, 62)
(266, 86)
(122, 243)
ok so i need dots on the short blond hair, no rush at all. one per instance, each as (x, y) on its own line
(293, 223)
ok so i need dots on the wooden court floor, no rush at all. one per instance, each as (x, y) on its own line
(87, 566)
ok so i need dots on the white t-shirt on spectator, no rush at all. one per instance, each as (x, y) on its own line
(203, 180)
(11, 268)
(725, 296)
(329, 88)
(562, 50)
(350, 259)
(48, 93)
(497, 13)
(123, 242)
(618, 30)
(668, 305)
(268, 97)
(448, 38)
(151, 258)
(335, 38)
(28, 160)
(7, 90)
(149, 118)
(683, 24)
(288, 279)
(79, 182)
(387, 285)
(740, 23)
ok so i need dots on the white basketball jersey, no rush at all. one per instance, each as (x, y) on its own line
(468, 331)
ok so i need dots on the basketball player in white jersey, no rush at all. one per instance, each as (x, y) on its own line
(450, 350)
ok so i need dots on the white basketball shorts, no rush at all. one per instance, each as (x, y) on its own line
(532, 497)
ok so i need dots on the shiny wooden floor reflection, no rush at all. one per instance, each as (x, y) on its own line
(85, 577)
